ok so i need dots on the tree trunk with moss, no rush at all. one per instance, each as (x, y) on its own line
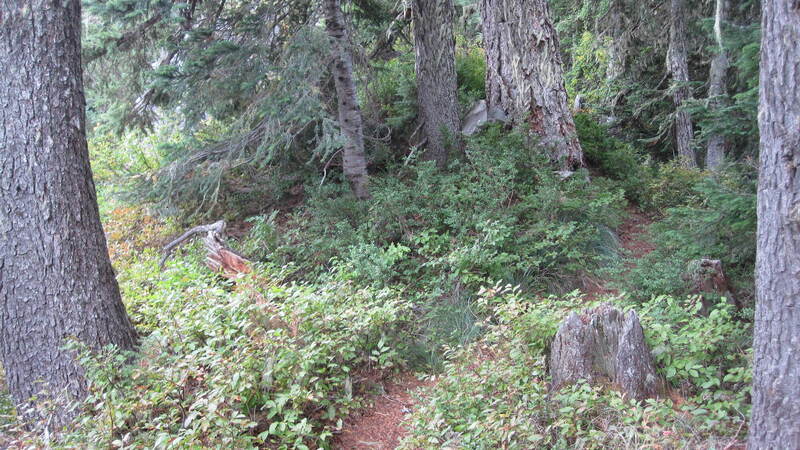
(775, 420)
(524, 75)
(437, 96)
(354, 161)
(56, 280)
(717, 91)
(678, 67)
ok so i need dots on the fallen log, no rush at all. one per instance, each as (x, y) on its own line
(219, 257)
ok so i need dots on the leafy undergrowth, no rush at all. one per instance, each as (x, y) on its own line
(494, 393)
(256, 363)
(251, 363)
(345, 292)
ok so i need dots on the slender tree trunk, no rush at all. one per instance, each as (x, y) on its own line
(678, 67)
(618, 48)
(775, 421)
(717, 90)
(524, 74)
(56, 280)
(435, 47)
(354, 162)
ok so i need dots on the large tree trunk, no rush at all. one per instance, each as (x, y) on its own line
(775, 421)
(717, 90)
(678, 67)
(354, 162)
(524, 76)
(435, 48)
(56, 280)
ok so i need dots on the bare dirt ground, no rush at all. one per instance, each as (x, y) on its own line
(634, 240)
(379, 427)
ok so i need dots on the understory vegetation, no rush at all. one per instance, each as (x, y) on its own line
(459, 274)
(464, 276)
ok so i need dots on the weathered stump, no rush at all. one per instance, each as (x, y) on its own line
(707, 277)
(604, 345)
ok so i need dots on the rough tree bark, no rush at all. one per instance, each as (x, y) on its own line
(437, 93)
(354, 161)
(776, 364)
(603, 345)
(618, 47)
(717, 89)
(524, 75)
(56, 280)
(678, 67)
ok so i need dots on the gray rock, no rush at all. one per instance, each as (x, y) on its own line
(479, 116)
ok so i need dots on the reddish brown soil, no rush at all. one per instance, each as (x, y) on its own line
(379, 427)
(633, 233)
(633, 238)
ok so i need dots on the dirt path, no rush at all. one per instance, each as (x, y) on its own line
(633, 233)
(379, 427)
(633, 239)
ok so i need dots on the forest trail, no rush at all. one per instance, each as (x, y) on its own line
(633, 234)
(634, 241)
(380, 426)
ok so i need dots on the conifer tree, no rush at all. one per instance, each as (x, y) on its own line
(56, 280)
(434, 46)
(354, 162)
(525, 76)
(776, 359)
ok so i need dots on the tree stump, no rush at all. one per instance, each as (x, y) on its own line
(604, 345)
(707, 277)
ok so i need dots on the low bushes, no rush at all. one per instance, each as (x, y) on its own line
(243, 366)
(495, 392)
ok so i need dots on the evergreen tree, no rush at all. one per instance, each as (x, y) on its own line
(56, 280)
(776, 363)
(354, 163)
(524, 73)
(678, 67)
(717, 89)
(434, 46)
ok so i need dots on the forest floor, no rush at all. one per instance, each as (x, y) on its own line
(380, 426)
(633, 242)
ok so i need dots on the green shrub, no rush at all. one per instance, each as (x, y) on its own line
(495, 392)
(471, 74)
(498, 213)
(707, 356)
(587, 72)
(672, 185)
(719, 223)
(393, 92)
(615, 159)
(263, 237)
(258, 363)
